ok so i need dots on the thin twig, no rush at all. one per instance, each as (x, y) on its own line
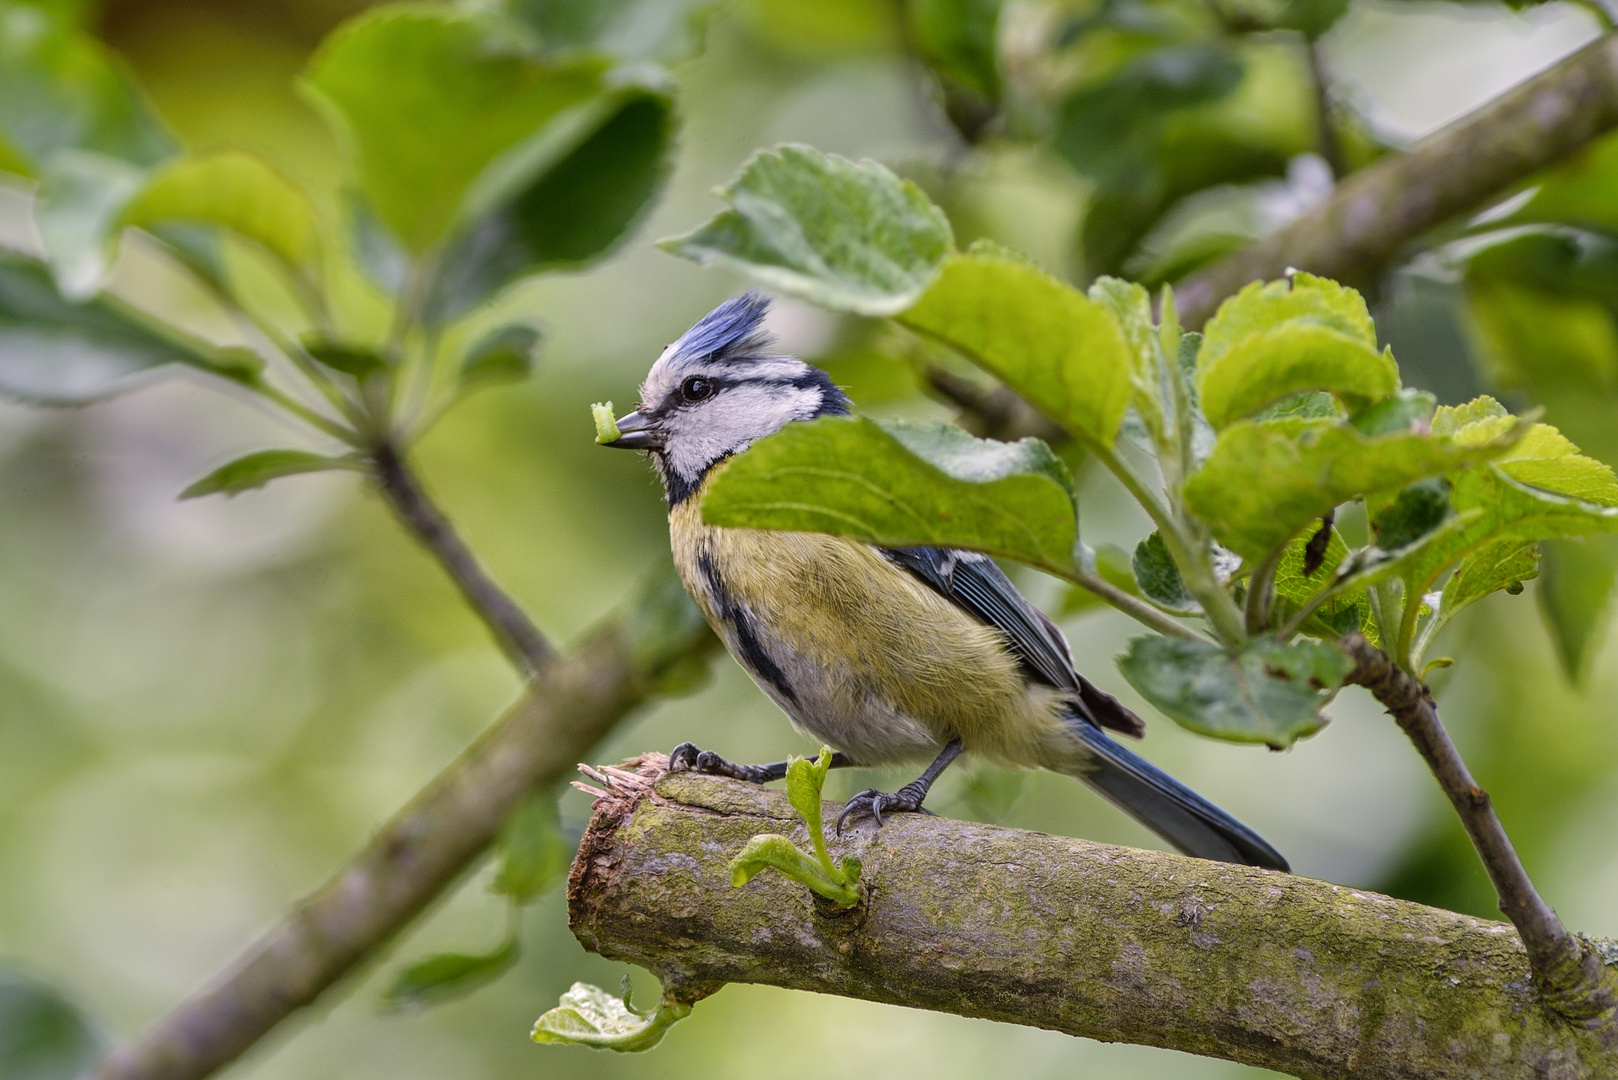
(1379, 210)
(516, 635)
(1569, 974)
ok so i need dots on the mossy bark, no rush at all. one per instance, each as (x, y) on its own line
(1109, 943)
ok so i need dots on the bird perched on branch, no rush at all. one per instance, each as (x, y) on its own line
(886, 654)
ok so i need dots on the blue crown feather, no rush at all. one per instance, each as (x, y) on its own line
(734, 329)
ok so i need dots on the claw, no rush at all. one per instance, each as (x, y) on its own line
(684, 757)
(852, 806)
(907, 800)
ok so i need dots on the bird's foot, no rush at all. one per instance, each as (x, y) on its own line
(687, 758)
(874, 803)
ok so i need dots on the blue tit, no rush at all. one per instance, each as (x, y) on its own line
(886, 654)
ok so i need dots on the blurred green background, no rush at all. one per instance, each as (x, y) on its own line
(206, 706)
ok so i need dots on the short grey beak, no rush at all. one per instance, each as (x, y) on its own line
(635, 432)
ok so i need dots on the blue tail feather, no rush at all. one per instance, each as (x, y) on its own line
(1167, 807)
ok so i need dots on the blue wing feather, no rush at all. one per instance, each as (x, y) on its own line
(981, 589)
(1142, 790)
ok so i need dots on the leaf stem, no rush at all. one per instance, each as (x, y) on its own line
(1260, 588)
(1134, 607)
(305, 413)
(1155, 506)
(1569, 974)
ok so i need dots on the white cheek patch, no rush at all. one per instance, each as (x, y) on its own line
(732, 421)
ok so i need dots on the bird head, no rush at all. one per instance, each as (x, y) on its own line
(717, 390)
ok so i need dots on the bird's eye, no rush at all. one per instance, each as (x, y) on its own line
(696, 388)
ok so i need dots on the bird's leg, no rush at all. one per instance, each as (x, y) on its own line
(907, 799)
(687, 758)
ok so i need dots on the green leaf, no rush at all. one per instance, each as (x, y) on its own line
(357, 361)
(1539, 488)
(902, 484)
(447, 976)
(239, 192)
(1269, 342)
(574, 210)
(377, 251)
(840, 884)
(1159, 579)
(1545, 458)
(666, 31)
(957, 37)
(257, 469)
(1268, 692)
(533, 854)
(1265, 482)
(1576, 192)
(42, 1035)
(1413, 513)
(56, 352)
(1476, 419)
(1575, 595)
(1495, 550)
(846, 235)
(80, 198)
(1558, 261)
(61, 89)
(444, 113)
(1500, 564)
(772, 851)
(804, 782)
(1405, 410)
(1150, 366)
(504, 355)
(589, 1016)
(1109, 128)
(1060, 350)
(1337, 615)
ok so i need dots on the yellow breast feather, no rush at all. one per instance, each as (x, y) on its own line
(878, 630)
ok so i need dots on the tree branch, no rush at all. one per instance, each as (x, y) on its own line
(1108, 943)
(423, 850)
(1377, 211)
(513, 631)
(1570, 975)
